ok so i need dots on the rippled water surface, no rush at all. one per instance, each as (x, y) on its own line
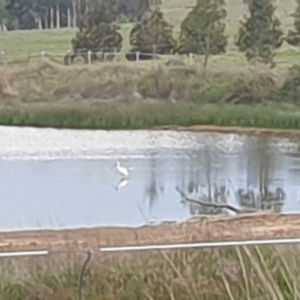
(65, 178)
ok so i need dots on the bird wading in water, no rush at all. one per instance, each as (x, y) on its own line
(122, 170)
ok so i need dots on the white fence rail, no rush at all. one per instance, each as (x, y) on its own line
(200, 245)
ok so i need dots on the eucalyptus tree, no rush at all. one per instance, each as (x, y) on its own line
(203, 30)
(3, 13)
(98, 31)
(293, 37)
(152, 35)
(260, 32)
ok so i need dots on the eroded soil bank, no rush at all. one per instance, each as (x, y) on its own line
(258, 226)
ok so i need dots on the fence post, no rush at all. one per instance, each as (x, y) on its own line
(2, 57)
(69, 56)
(137, 56)
(154, 50)
(100, 55)
(191, 58)
(43, 54)
(83, 273)
(89, 57)
(114, 53)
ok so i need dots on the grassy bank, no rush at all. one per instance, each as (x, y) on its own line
(240, 273)
(143, 116)
(131, 96)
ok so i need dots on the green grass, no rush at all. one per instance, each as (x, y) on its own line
(19, 45)
(213, 274)
(140, 116)
(23, 45)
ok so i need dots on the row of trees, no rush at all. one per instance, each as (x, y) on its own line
(47, 14)
(259, 34)
(202, 32)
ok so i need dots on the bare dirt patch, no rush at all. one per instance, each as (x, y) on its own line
(237, 228)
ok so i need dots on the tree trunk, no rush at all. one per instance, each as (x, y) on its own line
(74, 14)
(39, 21)
(51, 18)
(57, 17)
(205, 63)
(207, 53)
(46, 20)
(69, 17)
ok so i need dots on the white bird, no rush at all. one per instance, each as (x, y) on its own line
(122, 170)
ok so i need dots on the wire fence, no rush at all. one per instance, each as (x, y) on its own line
(86, 56)
(87, 255)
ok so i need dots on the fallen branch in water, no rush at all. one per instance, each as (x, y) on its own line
(219, 205)
(222, 206)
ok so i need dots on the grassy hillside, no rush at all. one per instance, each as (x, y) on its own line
(176, 10)
(19, 45)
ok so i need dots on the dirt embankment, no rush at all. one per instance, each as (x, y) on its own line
(237, 228)
(46, 82)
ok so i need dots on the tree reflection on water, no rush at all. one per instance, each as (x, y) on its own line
(260, 192)
(154, 186)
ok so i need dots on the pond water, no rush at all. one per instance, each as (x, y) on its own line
(65, 178)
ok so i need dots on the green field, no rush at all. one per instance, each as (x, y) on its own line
(20, 45)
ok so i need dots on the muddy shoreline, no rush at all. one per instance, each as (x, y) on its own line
(254, 131)
(260, 226)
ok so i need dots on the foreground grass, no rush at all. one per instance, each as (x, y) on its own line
(229, 273)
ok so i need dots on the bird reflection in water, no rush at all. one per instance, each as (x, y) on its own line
(123, 182)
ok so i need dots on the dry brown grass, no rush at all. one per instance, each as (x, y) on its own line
(230, 273)
(242, 273)
(135, 96)
(42, 82)
(45, 81)
(242, 227)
